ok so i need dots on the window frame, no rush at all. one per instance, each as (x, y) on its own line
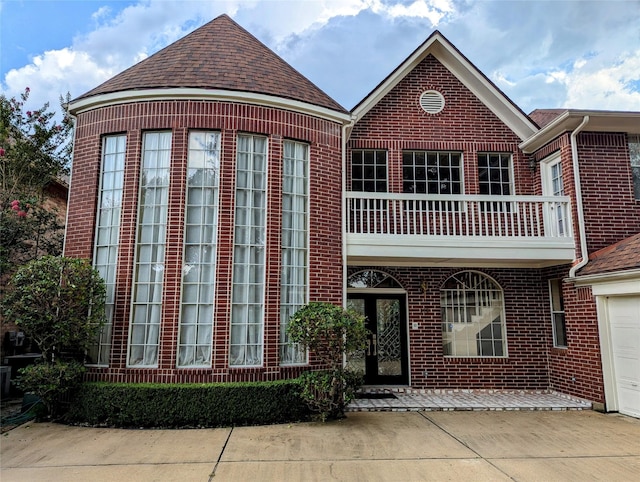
(108, 270)
(558, 314)
(159, 267)
(432, 182)
(235, 326)
(634, 160)
(487, 285)
(208, 237)
(297, 355)
(548, 167)
(379, 185)
(510, 172)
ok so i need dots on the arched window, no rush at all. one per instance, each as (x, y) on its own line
(472, 316)
(372, 279)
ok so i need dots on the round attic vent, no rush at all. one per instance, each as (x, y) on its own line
(432, 101)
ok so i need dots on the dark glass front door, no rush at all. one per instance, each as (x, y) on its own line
(384, 360)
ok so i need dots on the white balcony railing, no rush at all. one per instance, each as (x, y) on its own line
(546, 217)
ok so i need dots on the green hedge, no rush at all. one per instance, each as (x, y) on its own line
(187, 405)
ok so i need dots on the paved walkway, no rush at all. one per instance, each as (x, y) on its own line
(567, 445)
(408, 399)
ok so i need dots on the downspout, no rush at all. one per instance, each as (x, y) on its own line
(579, 207)
(345, 128)
(73, 145)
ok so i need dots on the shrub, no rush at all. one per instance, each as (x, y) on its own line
(330, 332)
(58, 302)
(51, 382)
(187, 405)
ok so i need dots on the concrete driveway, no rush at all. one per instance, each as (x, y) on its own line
(367, 446)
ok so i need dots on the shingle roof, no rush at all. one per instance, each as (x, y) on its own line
(624, 255)
(542, 117)
(219, 55)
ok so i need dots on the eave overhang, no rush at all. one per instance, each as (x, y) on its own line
(599, 121)
(86, 104)
(438, 46)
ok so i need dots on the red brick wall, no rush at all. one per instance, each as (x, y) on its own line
(610, 210)
(324, 138)
(577, 369)
(527, 326)
(398, 122)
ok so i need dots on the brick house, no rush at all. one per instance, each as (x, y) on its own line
(217, 190)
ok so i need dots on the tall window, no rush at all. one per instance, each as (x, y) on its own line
(295, 227)
(557, 313)
(634, 152)
(369, 171)
(473, 322)
(200, 243)
(427, 172)
(247, 305)
(494, 174)
(105, 254)
(553, 185)
(150, 248)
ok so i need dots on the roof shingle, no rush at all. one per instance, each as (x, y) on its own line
(624, 255)
(219, 55)
(542, 117)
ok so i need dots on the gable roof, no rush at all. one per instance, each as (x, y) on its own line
(474, 80)
(622, 256)
(220, 55)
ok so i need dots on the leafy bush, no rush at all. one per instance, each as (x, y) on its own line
(329, 392)
(58, 302)
(187, 405)
(51, 382)
(330, 332)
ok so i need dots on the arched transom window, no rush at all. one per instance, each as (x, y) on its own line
(472, 316)
(372, 279)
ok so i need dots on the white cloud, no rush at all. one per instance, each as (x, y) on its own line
(101, 13)
(54, 73)
(434, 11)
(606, 88)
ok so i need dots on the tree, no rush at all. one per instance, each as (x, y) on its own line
(331, 333)
(59, 303)
(35, 150)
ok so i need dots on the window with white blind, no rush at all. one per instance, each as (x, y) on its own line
(473, 323)
(634, 154)
(295, 251)
(553, 185)
(148, 273)
(200, 248)
(105, 255)
(557, 313)
(247, 293)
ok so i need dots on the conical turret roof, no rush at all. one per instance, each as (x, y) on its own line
(219, 55)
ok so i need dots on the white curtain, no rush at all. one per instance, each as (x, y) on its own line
(107, 233)
(293, 284)
(150, 250)
(247, 312)
(198, 281)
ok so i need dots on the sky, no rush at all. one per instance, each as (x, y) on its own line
(576, 54)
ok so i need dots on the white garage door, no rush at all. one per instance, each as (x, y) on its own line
(624, 319)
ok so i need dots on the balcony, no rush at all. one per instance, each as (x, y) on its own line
(458, 230)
